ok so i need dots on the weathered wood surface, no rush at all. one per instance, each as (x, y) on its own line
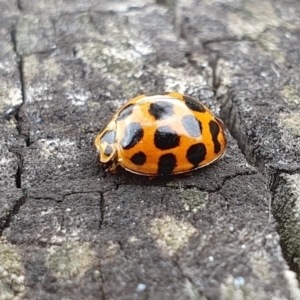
(71, 231)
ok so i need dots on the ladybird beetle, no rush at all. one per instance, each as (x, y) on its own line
(161, 134)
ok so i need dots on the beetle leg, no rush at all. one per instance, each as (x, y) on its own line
(113, 167)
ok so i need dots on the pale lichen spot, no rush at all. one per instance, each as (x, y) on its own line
(116, 103)
(97, 274)
(29, 38)
(119, 63)
(112, 250)
(55, 147)
(32, 67)
(72, 259)
(269, 42)
(290, 96)
(48, 147)
(289, 123)
(194, 200)
(79, 97)
(293, 283)
(260, 262)
(10, 95)
(12, 272)
(192, 291)
(180, 80)
(252, 20)
(13, 98)
(170, 234)
(234, 288)
(51, 67)
(93, 105)
(133, 239)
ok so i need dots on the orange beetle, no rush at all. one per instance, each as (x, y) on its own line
(161, 134)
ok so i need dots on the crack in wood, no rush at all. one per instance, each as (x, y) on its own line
(14, 211)
(102, 209)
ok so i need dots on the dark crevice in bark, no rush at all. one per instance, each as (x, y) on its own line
(231, 118)
(19, 5)
(19, 156)
(19, 171)
(74, 50)
(161, 2)
(102, 209)
(18, 175)
(281, 211)
(230, 115)
(102, 286)
(14, 211)
(20, 66)
(14, 41)
(233, 39)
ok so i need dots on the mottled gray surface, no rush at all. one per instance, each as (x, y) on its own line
(72, 231)
(256, 63)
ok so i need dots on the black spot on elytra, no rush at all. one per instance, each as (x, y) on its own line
(193, 104)
(133, 134)
(166, 164)
(125, 112)
(166, 138)
(108, 150)
(192, 125)
(139, 158)
(108, 137)
(215, 130)
(161, 110)
(196, 154)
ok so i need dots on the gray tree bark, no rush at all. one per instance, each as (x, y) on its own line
(69, 230)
